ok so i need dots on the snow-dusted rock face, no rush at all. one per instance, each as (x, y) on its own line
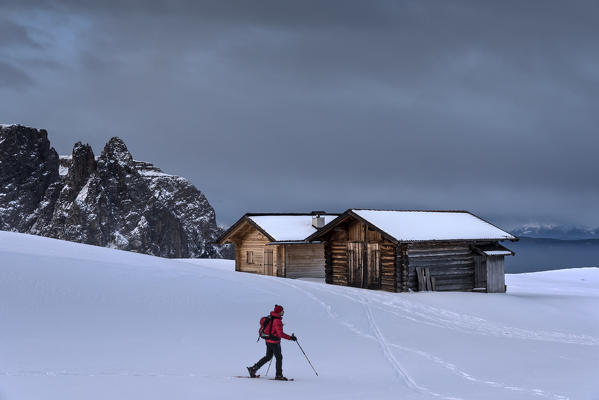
(110, 200)
(28, 166)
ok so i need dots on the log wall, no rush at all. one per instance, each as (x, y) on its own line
(402, 267)
(388, 277)
(450, 265)
(337, 270)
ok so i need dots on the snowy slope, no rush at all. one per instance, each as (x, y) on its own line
(85, 322)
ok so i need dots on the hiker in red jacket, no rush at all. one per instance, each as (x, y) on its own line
(272, 332)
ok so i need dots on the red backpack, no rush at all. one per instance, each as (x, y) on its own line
(264, 323)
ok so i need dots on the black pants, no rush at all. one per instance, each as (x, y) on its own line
(272, 349)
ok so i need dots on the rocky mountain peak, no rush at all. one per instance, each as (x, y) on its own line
(82, 165)
(28, 166)
(111, 200)
(116, 151)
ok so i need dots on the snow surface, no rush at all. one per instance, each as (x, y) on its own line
(64, 170)
(152, 173)
(82, 195)
(432, 225)
(86, 322)
(498, 253)
(288, 227)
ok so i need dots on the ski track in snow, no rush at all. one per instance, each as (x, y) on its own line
(94, 374)
(446, 319)
(471, 324)
(385, 345)
(388, 353)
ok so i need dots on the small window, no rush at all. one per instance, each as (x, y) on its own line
(250, 257)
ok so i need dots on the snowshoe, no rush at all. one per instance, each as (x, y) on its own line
(280, 378)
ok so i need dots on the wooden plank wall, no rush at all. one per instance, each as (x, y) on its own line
(356, 232)
(374, 236)
(348, 241)
(373, 265)
(280, 261)
(305, 261)
(495, 274)
(237, 255)
(268, 260)
(355, 264)
(252, 241)
(451, 265)
(480, 272)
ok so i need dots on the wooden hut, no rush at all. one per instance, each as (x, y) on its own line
(274, 244)
(414, 250)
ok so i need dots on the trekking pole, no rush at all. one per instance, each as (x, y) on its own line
(306, 357)
(268, 369)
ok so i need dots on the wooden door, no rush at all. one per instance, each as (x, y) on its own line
(355, 264)
(495, 274)
(373, 272)
(480, 272)
(268, 262)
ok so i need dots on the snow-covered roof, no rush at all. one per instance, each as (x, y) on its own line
(432, 225)
(498, 253)
(494, 250)
(283, 227)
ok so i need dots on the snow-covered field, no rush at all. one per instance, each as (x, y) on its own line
(83, 322)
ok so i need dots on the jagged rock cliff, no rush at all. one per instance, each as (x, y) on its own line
(28, 166)
(110, 200)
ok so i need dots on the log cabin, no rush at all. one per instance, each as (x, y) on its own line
(274, 244)
(402, 250)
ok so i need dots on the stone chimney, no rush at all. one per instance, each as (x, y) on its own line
(317, 219)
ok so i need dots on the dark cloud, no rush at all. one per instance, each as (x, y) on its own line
(13, 34)
(288, 106)
(12, 77)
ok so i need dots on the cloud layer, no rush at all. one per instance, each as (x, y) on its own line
(294, 106)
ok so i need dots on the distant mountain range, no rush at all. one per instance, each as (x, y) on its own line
(556, 231)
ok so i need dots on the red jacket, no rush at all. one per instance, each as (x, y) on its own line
(275, 328)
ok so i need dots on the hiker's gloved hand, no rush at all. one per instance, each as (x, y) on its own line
(293, 338)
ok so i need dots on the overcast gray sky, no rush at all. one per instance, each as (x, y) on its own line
(280, 106)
